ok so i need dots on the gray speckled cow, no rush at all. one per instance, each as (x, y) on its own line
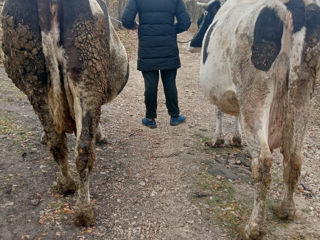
(260, 61)
(66, 57)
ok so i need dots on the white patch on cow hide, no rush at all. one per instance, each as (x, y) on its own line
(78, 111)
(54, 56)
(296, 54)
(120, 58)
(215, 75)
(95, 8)
(117, 46)
(266, 113)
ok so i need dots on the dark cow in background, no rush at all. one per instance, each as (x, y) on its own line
(66, 57)
(260, 61)
(206, 18)
(195, 45)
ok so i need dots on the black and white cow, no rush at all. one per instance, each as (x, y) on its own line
(67, 58)
(260, 61)
(206, 18)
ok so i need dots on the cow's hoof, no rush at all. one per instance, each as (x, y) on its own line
(101, 140)
(66, 185)
(284, 212)
(84, 215)
(218, 143)
(44, 138)
(250, 233)
(236, 142)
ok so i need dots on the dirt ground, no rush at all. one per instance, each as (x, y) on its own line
(166, 183)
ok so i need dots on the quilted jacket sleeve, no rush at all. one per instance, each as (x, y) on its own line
(129, 15)
(183, 17)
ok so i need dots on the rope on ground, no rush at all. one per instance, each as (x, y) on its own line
(184, 41)
(116, 20)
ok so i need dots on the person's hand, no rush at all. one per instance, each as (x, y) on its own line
(136, 27)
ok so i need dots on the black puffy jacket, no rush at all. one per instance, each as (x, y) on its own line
(158, 48)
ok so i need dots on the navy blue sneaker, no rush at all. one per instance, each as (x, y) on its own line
(149, 124)
(176, 121)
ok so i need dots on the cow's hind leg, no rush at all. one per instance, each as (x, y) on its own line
(218, 138)
(255, 126)
(261, 164)
(236, 139)
(44, 138)
(295, 128)
(85, 155)
(292, 166)
(100, 138)
(255, 113)
(58, 148)
(57, 143)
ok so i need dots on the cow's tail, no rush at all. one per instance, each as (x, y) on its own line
(49, 20)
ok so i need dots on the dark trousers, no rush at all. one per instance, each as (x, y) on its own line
(151, 80)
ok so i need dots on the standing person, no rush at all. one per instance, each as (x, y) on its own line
(158, 51)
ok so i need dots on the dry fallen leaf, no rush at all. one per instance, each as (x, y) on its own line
(68, 210)
(24, 237)
(57, 211)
